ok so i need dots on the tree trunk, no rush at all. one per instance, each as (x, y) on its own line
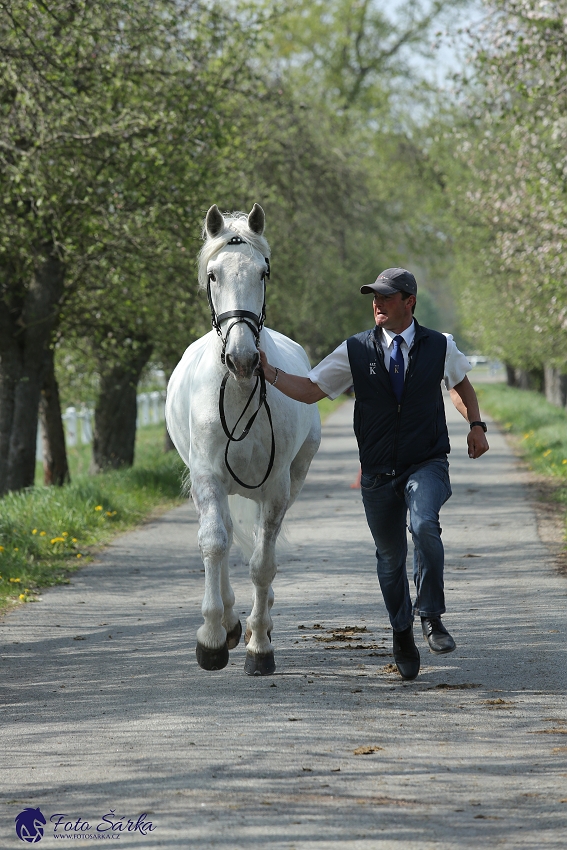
(555, 386)
(27, 319)
(116, 412)
(55, 466)
(510, 375)
(526, 379)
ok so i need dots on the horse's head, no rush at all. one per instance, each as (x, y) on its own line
(233, 266)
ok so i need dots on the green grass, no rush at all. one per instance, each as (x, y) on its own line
(46, 532)
(539, 427)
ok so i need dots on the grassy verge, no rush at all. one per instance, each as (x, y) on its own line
(46, 532)
(539, 430)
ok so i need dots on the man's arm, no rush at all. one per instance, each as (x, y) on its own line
(464, 398)
(294, 386)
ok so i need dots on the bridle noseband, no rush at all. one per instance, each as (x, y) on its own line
(255, 323)
(242, 316)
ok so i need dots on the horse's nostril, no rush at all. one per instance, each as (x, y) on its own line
(230, 363)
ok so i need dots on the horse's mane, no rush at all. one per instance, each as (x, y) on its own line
(235, 223)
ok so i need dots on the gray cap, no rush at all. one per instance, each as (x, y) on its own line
(391, 281)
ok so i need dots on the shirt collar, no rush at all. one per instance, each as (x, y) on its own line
(407, 335)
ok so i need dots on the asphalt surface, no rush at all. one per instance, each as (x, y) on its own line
(105, 709)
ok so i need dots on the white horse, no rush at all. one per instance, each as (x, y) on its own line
(269, 464)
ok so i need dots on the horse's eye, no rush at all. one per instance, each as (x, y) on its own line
(212, 276)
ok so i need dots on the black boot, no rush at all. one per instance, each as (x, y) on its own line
(436, 635)
(406, 653)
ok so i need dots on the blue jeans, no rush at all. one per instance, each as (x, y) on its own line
(387, 503)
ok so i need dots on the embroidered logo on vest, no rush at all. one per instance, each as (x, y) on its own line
(373, 368)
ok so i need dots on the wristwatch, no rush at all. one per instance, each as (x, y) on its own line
(482, 425)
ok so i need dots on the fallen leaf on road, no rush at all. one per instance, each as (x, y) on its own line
(365, 751)
(462, 687)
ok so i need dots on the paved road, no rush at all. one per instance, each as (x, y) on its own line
(104, 707)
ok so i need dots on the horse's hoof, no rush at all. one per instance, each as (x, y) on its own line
(234, 635)
(259, 665)
(212, 659)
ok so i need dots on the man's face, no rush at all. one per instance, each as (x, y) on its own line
(392, 312)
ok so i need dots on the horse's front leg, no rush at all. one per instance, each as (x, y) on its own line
(215, 539)
(259, 654)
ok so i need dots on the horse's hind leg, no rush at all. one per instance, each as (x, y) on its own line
(215, 536)
(259, 652)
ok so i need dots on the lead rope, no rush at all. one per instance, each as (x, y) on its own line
(230, 434)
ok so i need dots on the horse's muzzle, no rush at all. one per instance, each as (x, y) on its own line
(242, 367)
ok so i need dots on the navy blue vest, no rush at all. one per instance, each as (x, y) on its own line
(392, 437)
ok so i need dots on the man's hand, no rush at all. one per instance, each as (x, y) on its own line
(477, 442)
(293, 386)
(464, 398)
(269, 371)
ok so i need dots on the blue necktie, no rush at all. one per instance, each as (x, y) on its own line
(397, 367)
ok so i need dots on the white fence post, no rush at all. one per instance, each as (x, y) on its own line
(155, 407)
(86, 426)
(144, 408)
(70, 420)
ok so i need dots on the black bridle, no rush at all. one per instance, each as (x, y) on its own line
(255, 323)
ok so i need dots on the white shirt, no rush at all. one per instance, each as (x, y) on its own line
(333, 374)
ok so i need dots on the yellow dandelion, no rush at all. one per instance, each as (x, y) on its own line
(564, 460)
(58, 540)
(98, 508)
(15, 580)
(65, 534)
(42, 533)
(1, 548)
(34, 531)
(74, 540)
(22, 597)
(547, 453)
(79, 555)
(16, 549)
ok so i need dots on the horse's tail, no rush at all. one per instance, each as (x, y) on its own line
(245, 514)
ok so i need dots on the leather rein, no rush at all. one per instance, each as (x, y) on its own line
(255, 323)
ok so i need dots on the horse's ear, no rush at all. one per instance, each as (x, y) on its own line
(214, 221)
(257, 220)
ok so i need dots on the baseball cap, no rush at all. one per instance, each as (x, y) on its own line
(390, 281)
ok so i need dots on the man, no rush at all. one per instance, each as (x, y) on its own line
(399, 421)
